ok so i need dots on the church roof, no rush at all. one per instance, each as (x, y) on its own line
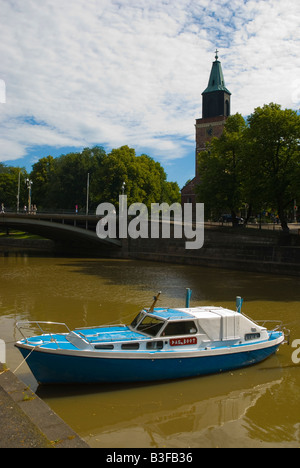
(216, 80)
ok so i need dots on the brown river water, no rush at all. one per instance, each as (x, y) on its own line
(254, 407)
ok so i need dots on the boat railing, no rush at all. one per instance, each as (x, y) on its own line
(40, 325)
(278, 324)
(278, 327)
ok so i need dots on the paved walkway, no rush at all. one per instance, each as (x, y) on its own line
(27, 422)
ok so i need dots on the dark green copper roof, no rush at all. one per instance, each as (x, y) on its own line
(216, 79)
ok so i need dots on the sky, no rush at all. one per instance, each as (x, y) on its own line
(80, 73)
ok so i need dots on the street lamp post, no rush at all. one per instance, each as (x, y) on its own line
(29, 184)
(123, 191)
(87, 193)
(18, 194)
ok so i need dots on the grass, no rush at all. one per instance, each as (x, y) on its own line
(18, 235)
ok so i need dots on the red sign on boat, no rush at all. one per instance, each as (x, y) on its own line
(183, 341)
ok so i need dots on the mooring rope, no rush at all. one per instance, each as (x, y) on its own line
(25, 359)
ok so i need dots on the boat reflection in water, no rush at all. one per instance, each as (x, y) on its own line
(192, 413)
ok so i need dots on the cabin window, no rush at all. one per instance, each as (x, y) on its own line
(104, 346)
(137, 319)
(130, 346)
(180, 328)
(251, 336)
(150, 325)
(155, 345)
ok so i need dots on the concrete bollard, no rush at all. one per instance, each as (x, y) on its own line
(2, 352)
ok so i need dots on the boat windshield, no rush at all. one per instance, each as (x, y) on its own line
(137, 319)
(150, 325)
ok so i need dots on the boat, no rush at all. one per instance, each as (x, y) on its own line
(159, 344)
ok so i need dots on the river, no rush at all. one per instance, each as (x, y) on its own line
(254, 407)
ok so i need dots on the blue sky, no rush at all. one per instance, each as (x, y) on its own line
(77, 73)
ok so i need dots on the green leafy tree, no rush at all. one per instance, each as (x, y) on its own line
(221, 169)
(254, 164)
(61, 183)
(9, 183)
(273, 137)
(41, 175)
(145, 179)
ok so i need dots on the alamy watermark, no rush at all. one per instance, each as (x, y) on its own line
(135, 221)
(296, 354)
(2, 92)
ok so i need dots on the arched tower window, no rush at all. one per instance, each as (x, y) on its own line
(227, 108)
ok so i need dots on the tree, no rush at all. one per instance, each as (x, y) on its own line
(9, 181)
(221, 170)
(254, 163)
(273, 137)
(171, 193)
(61, 183)
(145, 179)
(41, 176)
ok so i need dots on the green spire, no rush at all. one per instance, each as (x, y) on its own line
(216, 79)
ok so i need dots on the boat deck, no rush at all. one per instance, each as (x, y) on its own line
(104, 334)
(84, 338)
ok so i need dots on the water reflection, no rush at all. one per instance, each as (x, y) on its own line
(207, 284)
(177, 414)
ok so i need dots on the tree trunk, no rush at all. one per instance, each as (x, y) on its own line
(283, 219)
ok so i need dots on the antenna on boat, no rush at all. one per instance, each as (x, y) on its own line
(154, 301)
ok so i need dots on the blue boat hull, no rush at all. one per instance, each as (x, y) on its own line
(53, 368)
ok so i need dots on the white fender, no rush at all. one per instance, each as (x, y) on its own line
(2, 352)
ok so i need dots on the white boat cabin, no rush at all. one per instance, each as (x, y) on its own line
(198, 325)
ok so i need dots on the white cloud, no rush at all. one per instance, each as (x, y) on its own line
(132, 71)
(2, 92)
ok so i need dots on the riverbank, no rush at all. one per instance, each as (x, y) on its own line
(17, 241)
(233, 249)
(27, 422)
(252, 250)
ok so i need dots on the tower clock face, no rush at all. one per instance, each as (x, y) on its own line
(209, 131)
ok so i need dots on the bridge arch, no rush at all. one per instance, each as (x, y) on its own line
(59, 228)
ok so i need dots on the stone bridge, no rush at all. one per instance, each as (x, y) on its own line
(238, 249)
(62, 228)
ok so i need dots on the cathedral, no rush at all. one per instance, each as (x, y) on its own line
(215, 110)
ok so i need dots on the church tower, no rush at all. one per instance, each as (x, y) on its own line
(216, 97)
(215, 110)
